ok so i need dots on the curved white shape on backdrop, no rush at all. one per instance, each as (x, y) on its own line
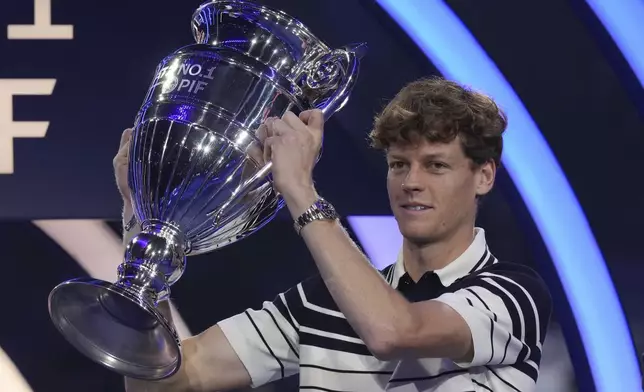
(10, 377)
(97, 249)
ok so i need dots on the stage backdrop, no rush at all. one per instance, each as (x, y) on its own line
(73, 75)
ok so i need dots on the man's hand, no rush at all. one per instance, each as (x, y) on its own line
(293, 144)
(120, 164)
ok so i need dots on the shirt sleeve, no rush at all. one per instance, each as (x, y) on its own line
(266, 340)
(507, 308)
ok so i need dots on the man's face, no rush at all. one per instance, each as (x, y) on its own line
(433, 187)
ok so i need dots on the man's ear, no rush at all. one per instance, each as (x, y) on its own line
(486, 175)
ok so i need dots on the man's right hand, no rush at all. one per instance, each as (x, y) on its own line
(120, 163)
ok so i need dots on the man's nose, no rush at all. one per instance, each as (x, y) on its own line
(412, 181)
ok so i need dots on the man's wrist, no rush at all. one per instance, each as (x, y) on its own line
(299, 199)
(128, 210)
(129, 223)
(128, 218)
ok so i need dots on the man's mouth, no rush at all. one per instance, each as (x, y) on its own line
(415, 207)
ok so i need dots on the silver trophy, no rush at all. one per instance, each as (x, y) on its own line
(196, 173)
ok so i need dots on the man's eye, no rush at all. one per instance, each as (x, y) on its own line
(437, 165)
(396, 165)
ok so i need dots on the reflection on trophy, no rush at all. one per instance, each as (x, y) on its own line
(196, 174)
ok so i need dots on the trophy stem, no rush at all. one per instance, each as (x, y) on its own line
(154, 260)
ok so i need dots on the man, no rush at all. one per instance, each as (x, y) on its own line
(447, 316)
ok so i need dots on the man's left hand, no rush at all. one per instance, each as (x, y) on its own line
(293, 143)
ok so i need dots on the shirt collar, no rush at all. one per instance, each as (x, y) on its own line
(474, 258)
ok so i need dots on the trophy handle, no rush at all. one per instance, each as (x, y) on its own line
(331, 80)
(327, 85)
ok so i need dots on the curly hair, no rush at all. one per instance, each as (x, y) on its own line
(440, 111)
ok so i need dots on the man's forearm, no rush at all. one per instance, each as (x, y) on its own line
(176, 383)
(372, 307)
(173, 384)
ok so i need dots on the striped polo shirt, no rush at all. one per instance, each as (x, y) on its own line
(507, 307)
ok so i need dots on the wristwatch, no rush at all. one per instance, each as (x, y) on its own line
(130, 224)
(320, 210)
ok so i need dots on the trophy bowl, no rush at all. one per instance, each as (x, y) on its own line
(196, 173)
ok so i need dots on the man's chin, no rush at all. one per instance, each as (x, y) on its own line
(418, 236)
(415, 230)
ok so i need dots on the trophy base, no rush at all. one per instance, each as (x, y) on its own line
(115, 328)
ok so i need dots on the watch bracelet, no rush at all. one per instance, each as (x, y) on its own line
(312, 214)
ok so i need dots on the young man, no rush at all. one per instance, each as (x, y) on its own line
(446, 316)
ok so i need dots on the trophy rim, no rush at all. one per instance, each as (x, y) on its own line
(273, 11)
(101, 356)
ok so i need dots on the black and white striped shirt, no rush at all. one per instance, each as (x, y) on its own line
(507, 307)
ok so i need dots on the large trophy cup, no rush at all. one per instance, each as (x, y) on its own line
(196, 174)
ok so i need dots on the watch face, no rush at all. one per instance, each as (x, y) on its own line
(326, 209)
